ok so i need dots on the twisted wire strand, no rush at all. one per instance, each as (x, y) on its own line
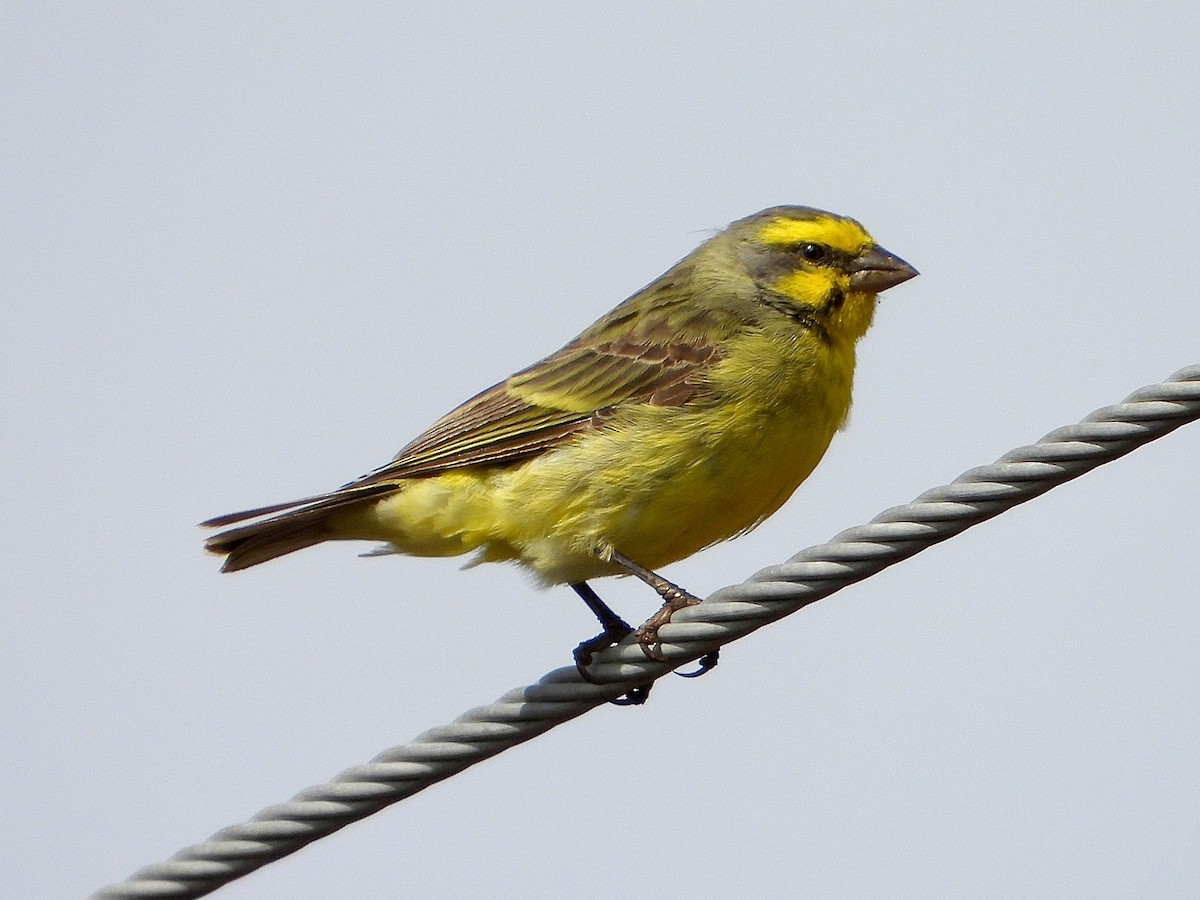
(727, 615)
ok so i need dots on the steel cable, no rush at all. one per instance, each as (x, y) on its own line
(727, 615)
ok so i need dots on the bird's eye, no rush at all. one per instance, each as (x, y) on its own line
(814, 252)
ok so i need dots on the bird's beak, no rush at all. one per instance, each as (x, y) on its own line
(876, 270)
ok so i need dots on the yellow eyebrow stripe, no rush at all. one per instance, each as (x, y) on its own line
(841, 234)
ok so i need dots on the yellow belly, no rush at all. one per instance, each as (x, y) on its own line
(657, 483)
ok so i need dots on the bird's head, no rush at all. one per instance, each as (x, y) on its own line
(827, 267)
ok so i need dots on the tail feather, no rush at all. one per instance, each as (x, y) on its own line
(302, 523)
(244, 514)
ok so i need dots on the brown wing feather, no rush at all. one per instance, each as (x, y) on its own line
(543, 405)
(494, 424)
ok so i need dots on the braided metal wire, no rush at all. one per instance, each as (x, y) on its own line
(727, 615)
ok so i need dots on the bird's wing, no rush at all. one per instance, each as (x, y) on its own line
(539, 407)
(536, 409)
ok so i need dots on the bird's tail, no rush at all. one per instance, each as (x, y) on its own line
(287, 527)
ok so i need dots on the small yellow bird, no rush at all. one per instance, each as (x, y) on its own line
(685, 416)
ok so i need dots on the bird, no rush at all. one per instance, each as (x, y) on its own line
(683, 417)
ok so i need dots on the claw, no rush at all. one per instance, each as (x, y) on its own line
(674, 598)
(651, 647)
(635, 696)
(583, 654)
(706, 663)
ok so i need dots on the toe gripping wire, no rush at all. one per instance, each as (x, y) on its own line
(727, 615)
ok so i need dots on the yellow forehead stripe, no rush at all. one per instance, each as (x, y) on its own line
(841, 234)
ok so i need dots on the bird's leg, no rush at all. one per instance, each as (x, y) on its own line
(615, 628)
(674, 598)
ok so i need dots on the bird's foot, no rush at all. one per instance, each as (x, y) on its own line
(674, 598)
(613, 633)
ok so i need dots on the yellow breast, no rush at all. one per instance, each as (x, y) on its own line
(660, 483)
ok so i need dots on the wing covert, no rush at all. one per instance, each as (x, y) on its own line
(540, 407)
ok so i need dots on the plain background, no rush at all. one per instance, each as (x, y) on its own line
(249, 250)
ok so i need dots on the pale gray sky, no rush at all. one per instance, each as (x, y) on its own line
(250, 250)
